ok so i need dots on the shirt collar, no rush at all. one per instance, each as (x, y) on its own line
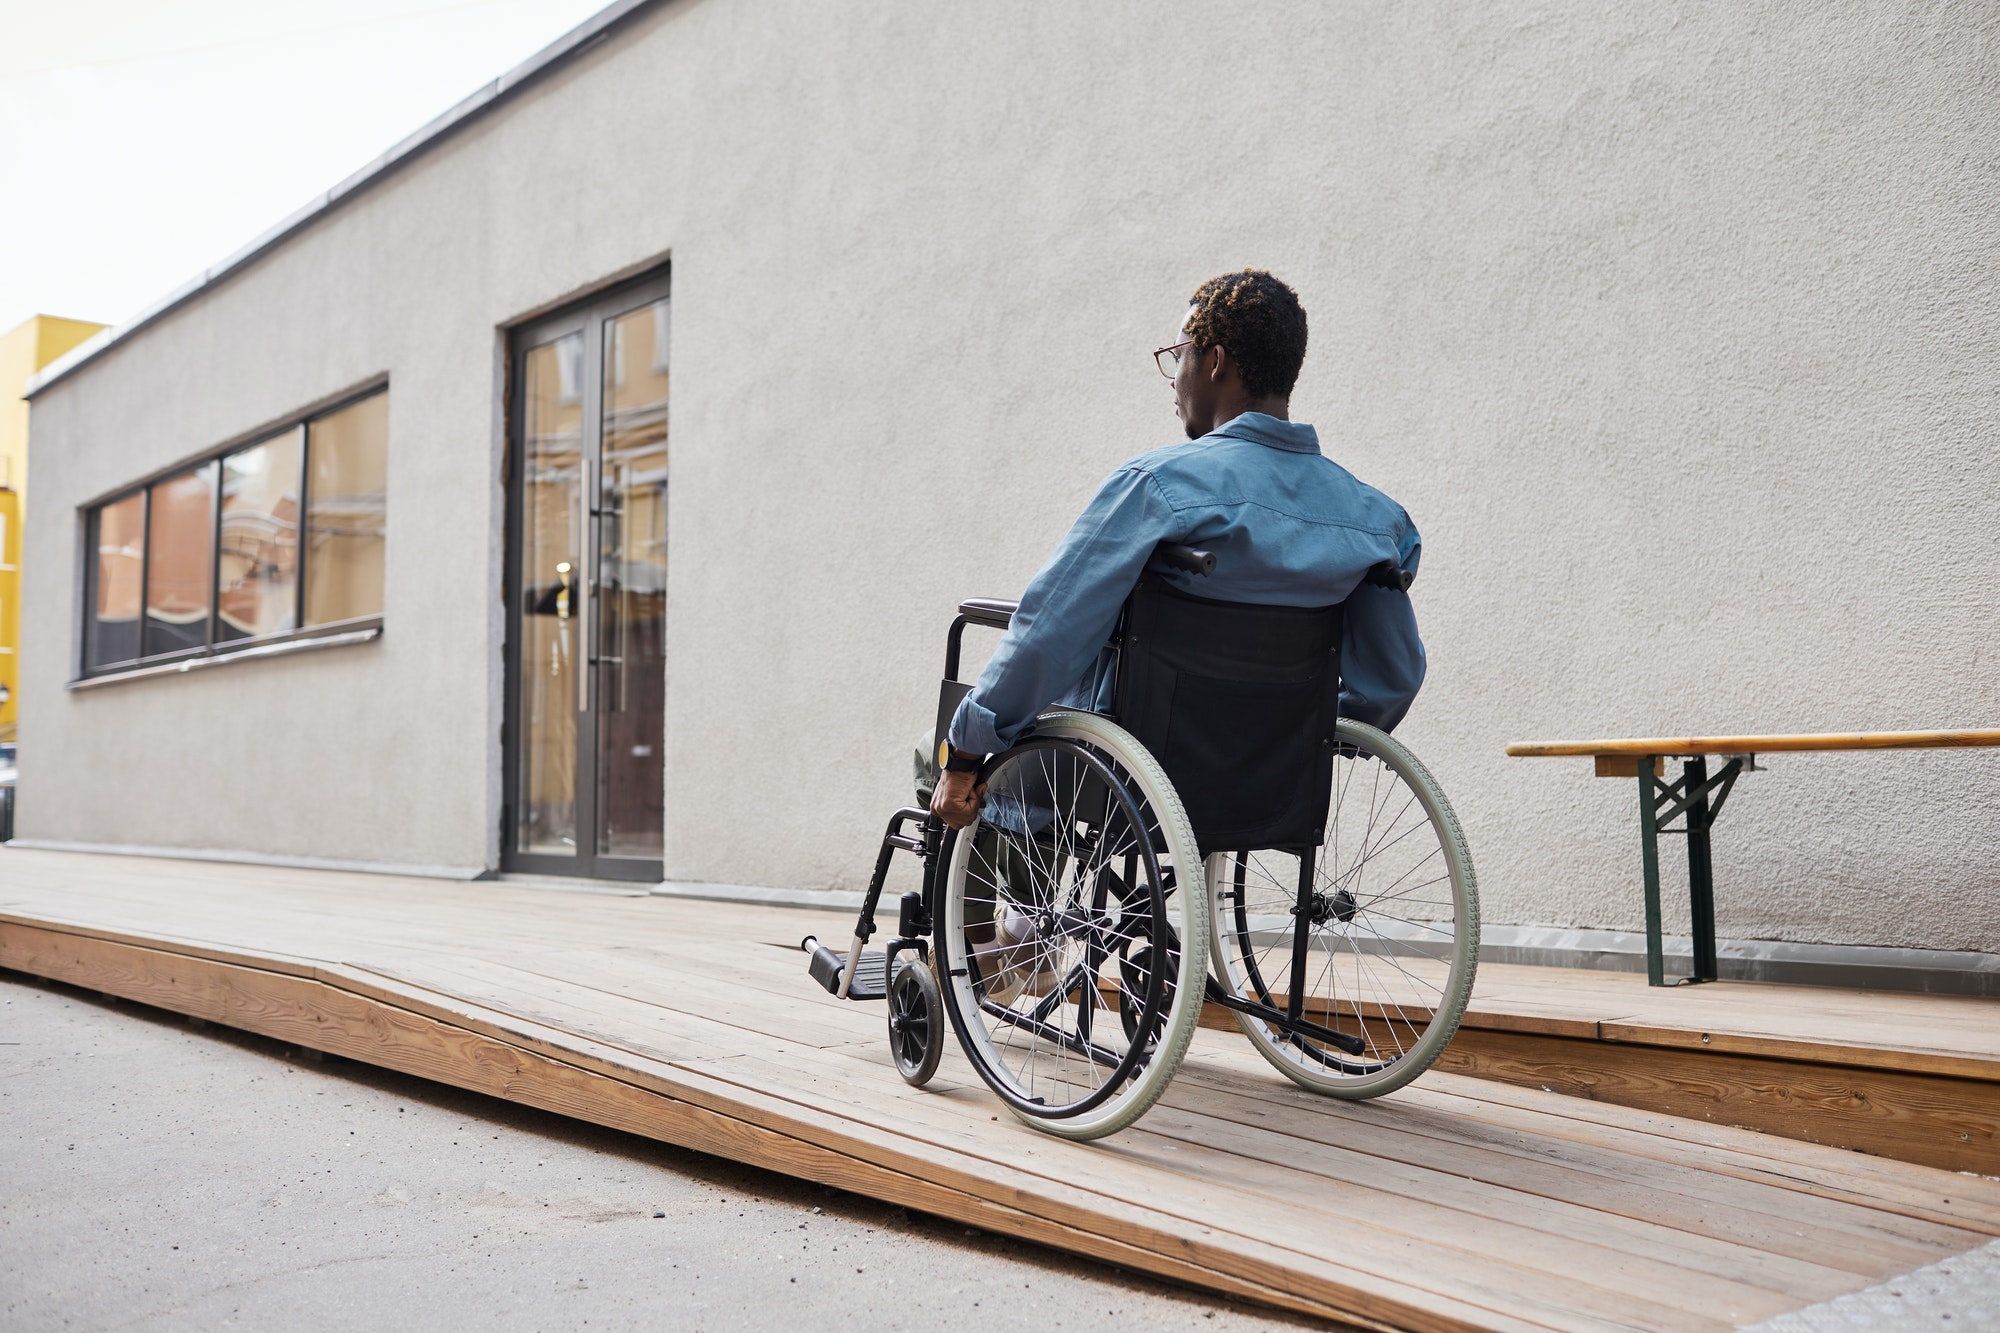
(1260, 428)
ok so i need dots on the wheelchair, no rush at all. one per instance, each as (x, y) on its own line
(1221, 836)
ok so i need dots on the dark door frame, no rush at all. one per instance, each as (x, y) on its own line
(587, 318)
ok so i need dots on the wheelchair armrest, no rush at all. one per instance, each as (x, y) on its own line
(992, 612)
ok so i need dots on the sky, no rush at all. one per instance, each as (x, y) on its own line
(141, 141)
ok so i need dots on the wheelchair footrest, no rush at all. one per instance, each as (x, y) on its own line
(871, 980)
(871, 976)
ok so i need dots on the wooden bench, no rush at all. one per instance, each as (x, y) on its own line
(1696, 799)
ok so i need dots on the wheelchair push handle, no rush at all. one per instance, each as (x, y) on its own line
(1185, 558)
(1389, 574)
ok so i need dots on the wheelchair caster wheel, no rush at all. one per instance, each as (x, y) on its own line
(916, 1022)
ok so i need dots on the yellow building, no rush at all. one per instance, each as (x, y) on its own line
(23, 351)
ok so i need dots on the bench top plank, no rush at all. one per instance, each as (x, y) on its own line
(1862, 740)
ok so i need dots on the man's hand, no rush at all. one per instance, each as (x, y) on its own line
(958, 798)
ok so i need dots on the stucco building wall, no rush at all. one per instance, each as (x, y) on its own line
(1674, 329)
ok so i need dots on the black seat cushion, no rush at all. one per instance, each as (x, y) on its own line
(1238, 702)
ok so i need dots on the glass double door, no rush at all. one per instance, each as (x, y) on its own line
(587, 590)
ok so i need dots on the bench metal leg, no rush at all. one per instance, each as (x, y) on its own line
(1649, 860)
(1701, 871)
(1659, 805)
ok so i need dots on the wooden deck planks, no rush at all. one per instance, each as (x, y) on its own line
(1415, 1216)
(1937, 1034)
(1686, 1194)
(1829, 1173)
(1458, 1203)
(1944, 1122)
(325, 1017)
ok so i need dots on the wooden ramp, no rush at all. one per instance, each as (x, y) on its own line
(1457, 1203)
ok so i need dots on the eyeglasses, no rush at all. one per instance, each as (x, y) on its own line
(1168, 359)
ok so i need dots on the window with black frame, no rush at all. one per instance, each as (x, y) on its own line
(281, 537)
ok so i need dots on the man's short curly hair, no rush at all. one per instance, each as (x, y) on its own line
(1259, 320)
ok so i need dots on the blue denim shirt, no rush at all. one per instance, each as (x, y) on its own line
(1288, 526)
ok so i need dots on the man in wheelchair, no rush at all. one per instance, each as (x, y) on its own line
(1287, 525)
(1173, 779)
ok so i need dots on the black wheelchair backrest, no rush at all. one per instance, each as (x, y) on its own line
(1238, 702)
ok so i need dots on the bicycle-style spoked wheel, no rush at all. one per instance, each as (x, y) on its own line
(1371, 963)
(1072, 929)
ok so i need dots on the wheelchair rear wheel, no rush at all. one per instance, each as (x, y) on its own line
(1072, 929)
(1381, 944)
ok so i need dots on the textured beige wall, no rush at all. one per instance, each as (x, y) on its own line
(1674, 328)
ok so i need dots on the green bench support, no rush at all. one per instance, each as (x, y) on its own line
(1697, 797)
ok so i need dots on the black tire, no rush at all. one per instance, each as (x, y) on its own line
(916, 1021)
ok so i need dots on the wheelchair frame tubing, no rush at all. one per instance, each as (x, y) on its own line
(893, 841)
(1290, 1020)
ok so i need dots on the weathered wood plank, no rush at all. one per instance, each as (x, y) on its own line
(1759, 1212)
(1948, 1123)
(1507, 1114)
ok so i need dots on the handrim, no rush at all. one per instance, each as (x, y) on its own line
(1143, 781)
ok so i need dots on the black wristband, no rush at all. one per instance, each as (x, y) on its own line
(960, 762)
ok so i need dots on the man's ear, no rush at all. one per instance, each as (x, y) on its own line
(1219, 372)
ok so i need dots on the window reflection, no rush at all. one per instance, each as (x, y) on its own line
(179, 561)
(632, 578)
(216, 556)
(258, 567)
(346, 511)
(112, 632)
(551, 596)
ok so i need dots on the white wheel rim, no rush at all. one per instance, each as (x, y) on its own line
(1118, 1108)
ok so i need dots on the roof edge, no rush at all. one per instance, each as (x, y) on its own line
(406, 150)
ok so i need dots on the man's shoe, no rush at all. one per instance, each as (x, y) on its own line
(1016, 963)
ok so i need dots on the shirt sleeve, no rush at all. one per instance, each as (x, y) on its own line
(1382, 661)
(1067, 612)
